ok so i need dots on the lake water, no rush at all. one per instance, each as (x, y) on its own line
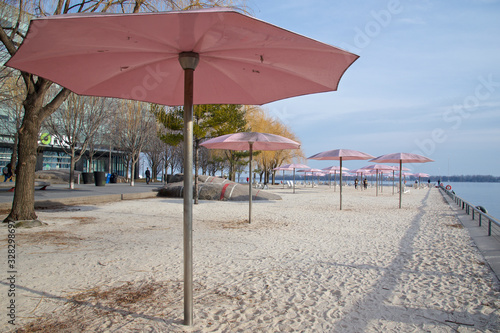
(479, 194)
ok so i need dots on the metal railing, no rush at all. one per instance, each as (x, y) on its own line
(486, 221)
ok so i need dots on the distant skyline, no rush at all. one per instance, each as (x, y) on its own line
(427, 81)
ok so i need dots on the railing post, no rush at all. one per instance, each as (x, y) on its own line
(473, 210)
(489, 227)
(480, 216)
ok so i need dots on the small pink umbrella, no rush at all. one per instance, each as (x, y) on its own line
(283, 169)
(341, 154)
(295, 166)
(378, 169)
(333, 170)
(401, 158)
(250, 141)
(152, 57)
(310, 172)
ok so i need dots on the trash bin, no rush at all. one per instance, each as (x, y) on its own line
(100, 178)
(88, 177)
(114, 178)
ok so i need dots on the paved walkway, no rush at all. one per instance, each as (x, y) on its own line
(60, 194)
(489, 246)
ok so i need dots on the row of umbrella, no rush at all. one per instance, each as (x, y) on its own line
(263, 141)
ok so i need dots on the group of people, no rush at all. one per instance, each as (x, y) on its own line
(365, 183)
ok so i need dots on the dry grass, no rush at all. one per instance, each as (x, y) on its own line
(87, 309)
(48, 237)
(124, 295)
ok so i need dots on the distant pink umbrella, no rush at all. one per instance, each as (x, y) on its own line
(250, 141)
(152, 57)
(283, 169)
(333, 170)
(378, 168)
(421, 174)
(341, 154)
(295, 166)
(401, 158)
(310, 172)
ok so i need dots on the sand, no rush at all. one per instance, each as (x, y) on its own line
(301, 266)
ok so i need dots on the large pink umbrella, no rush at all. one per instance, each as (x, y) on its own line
(250, 141)
(401, 158)
(341, 154)
(152, 57)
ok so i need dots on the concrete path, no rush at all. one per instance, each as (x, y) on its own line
(489, 246)
(60, 194)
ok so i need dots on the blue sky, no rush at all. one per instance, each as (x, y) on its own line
(427, 81)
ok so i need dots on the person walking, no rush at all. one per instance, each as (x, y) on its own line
(148, 175)
(7, 172)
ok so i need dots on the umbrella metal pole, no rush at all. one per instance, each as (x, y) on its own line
(293, 180)
(250, 186)
(400, 185)
(392, 182)
(188, 61)
(335, 181)
(340, 183)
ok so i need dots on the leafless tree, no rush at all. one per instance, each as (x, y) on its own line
(155, 153)
(75, 125)
(134, 127)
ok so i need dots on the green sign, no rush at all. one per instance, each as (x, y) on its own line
(45, 138)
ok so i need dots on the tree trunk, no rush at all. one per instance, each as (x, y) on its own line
(132, 172)
(23, 205)
(13, 157)
(72, 169)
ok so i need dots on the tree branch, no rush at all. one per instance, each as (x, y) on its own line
(56, 102)
(9, 45)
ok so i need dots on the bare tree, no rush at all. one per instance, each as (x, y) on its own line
(11, 97)
(75, 124)
(135, 125)
(155, 153)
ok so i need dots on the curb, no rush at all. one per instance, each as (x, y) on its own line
(88, 200)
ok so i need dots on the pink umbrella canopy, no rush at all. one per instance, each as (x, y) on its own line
(259, 141)
(334, 169)
(250, 141)
(241, 60)
(344, 154)
(341, 154)
(401, 158)
(295, 166)
(421, 174)
(152, 57)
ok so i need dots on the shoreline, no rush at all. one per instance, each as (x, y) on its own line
(302, 265)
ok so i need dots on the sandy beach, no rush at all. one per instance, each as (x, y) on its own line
(301, 266)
